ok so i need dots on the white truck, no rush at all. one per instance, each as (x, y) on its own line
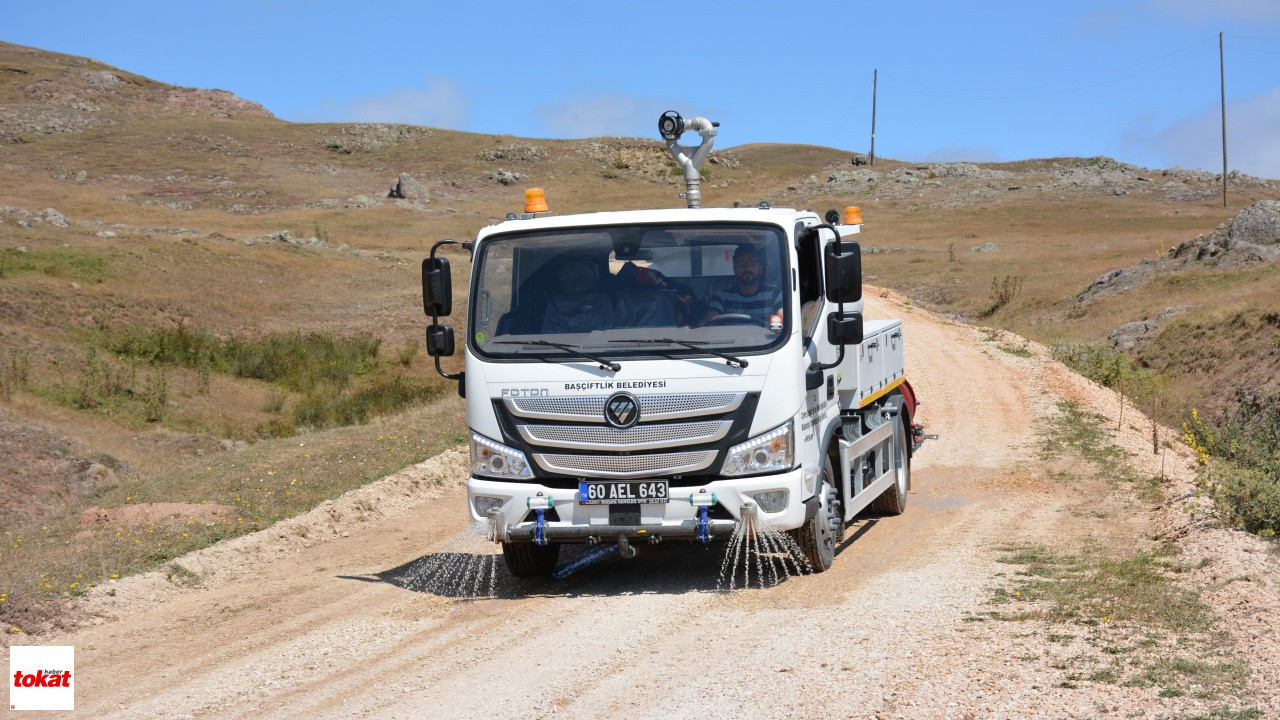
(640, 376)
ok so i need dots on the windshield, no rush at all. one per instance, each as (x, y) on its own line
(629, 291)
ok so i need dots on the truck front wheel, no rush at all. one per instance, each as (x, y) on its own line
(817, 538)
(530, 560)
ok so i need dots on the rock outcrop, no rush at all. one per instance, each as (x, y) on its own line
(1249, 238)
(1129, 336)
(406, 188)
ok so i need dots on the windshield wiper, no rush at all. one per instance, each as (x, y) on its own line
(604, 364)
(733, 361)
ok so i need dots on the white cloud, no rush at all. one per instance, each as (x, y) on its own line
(607, 114)
(1253, 145)
(438, 103)
(1258, 11)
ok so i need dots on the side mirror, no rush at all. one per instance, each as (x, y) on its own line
(437, 288)
(440, 340)
(844, 273)
(844, 329)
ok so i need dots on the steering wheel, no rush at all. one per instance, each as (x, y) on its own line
(731, 319)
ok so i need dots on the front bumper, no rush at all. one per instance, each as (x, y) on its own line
(676, 519)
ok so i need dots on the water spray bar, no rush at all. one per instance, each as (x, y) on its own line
(715, 529)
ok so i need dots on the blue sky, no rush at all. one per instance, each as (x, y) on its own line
(1137, 80)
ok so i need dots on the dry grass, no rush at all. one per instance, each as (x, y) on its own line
(54, 556)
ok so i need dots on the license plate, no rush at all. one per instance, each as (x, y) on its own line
(618, 492)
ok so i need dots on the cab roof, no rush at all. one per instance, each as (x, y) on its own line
(783, 217)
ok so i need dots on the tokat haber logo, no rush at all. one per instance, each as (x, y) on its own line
(41, 677)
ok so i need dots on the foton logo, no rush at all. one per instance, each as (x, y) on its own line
(41, 678)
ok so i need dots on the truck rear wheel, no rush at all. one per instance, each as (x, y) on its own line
(893, 501)
(530, 560)
(816, 538)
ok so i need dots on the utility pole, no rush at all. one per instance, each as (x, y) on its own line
(1222, 72)
(875, 81)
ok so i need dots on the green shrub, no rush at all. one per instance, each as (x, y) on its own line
(69, 264)
(156, 395)
(1248, 498)
(408, 352)
(276, 428)
(1239, 454)
(1003, 291)
(341, 379)
(323, 409)
(296, 360)
(1114, 369)
(15, 373)
(274, 402)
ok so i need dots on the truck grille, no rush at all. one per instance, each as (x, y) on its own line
(626, 466)
(676, 436)
(652, 407)
(640, 437)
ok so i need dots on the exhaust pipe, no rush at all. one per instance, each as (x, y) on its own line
(671, 126)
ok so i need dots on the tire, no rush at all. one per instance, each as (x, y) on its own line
(893, 501)
(816, 538)
(529, 560)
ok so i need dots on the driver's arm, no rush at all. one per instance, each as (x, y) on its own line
(715, 306)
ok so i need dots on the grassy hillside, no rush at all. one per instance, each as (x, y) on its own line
(148, 289)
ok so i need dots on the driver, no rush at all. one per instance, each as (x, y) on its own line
(752, 296)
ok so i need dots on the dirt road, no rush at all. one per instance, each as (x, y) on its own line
(324, 616)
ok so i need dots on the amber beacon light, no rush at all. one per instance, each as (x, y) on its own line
(535, 201)
(852, 215)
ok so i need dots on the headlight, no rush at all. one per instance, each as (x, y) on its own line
(497, 460)
(769, 452)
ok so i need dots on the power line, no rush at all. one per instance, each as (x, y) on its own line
(862, 94)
